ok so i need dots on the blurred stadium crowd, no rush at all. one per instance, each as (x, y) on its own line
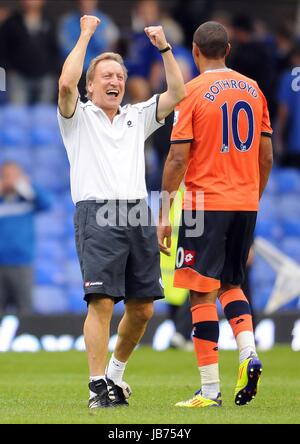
(32, 50)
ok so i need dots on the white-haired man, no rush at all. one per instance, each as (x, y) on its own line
(105, 145)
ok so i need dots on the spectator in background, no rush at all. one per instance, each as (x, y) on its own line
(105, 38)
(189, 13)
(288, 128)
(19, 202)
(251, 58)
(141, 53)
(285, 43)
(29, 53)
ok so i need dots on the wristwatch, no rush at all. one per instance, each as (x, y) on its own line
(167, 48)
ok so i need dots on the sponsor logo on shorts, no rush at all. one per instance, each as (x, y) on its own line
(93, 284)
(189, 257)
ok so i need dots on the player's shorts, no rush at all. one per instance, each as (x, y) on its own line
(218, 255)
(116, 259)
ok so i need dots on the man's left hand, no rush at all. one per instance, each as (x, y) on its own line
(157, 36)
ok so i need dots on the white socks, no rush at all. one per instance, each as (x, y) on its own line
(246, 345)
(115, 370)
(210, 382)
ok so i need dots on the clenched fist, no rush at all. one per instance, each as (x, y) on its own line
(89, 24)
(157, 36)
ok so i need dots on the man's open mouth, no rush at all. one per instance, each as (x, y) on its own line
(112, 92)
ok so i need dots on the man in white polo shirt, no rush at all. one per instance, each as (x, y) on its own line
(105, 146)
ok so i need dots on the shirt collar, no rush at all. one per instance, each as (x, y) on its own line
(96, 109)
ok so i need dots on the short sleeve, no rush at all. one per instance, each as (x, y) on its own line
(285, 91)
(149, 112)
(266, 129)
(69, 125)
(183, 122)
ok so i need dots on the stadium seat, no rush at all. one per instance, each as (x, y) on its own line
(20, 155)
(15, 115)
(261, 295)
(72, 272)
(272, 186)
(43, 136)
(49, 272)
(75, 296)
(261, 271)
(268, 228)
(50, 249)
(48, 299)
(288, 180)
(50, 225)
(291, 247)
(55, 181)
(44, 116)
(14, 136)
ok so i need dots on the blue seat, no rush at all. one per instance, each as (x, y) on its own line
(291, 247)
(50, 299)
(261, 271)
(272, 185)
(288, 180)
(44, 115)
(261, 295)
(14, 136)
(43, 136)
(51, 179)
(51, 157)
(50, 225)
(269, 228)
(75, 296)
(20, 155)
(15, 115)
(289, 206)
(48, 272)
(268, 207)
(50, 249)
(72, 272)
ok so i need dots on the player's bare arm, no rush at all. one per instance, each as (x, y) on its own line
(265, 162)
(176, 89)
(174, 171)
(73, 67)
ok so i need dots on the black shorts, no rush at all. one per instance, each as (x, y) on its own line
(219, 255)
(116, 259)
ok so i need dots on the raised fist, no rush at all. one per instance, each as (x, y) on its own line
(89, 24)
(157, 36)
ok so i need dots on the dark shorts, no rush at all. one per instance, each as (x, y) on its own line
(219, 255)
(117, 259)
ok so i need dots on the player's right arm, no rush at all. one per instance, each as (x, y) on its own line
(73, 67)
(265, 162)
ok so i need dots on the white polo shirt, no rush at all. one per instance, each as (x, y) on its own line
(107, 158)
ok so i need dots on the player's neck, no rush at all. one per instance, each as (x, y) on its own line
(209, 65)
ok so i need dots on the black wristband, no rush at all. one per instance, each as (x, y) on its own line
(167, 48)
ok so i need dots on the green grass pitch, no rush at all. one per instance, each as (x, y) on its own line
(52, 388)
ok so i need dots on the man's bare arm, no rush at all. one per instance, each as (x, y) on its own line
(174, 171)
(73, 67)
(176, 89)
(265, 162)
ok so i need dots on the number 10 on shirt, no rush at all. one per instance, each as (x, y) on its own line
(231, 122)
